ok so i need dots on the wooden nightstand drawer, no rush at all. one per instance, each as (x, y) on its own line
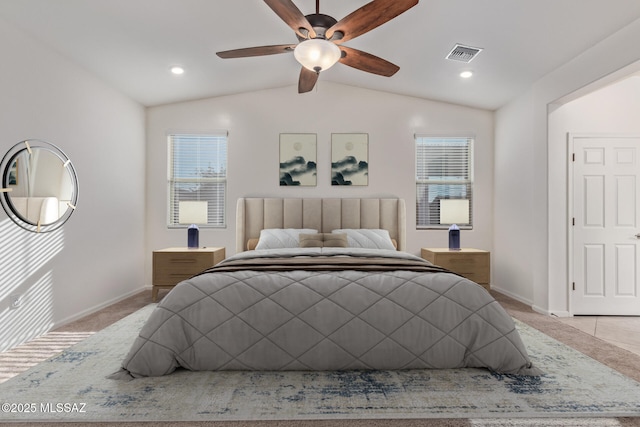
(474, 264)
(173, 265)
(476, 277)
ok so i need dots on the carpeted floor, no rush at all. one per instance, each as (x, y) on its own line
(627, 363)
(621, 360)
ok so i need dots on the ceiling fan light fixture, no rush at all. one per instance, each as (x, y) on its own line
(317, 54)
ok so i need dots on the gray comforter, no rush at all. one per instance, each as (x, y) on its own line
(327, 309)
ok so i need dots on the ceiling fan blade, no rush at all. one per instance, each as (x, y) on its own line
(291, 15)
(366, 62)
(368, 17)
(256, 51)
(307, 80)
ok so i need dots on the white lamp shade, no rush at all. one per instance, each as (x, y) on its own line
(454, 211)
(317, 54)
(193, 212)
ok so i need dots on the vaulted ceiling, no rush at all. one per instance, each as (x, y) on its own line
(131, 44)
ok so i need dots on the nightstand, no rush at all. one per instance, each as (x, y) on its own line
(474, 264)
(173, 265)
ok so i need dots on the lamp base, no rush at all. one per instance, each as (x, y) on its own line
(193, 238)
(454, 238)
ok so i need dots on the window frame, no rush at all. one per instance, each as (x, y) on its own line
(468, 182)
(172, 210)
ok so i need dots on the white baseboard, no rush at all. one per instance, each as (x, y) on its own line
(540, 310)
(512, 295)
(98, 307)
(537, 309)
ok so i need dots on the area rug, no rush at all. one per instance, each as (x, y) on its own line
(73, 387)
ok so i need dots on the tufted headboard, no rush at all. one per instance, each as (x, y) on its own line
(255, 214)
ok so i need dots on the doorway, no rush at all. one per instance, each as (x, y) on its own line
(604, 200)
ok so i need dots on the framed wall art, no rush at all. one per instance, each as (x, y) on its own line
(298, 159)
(349, 159)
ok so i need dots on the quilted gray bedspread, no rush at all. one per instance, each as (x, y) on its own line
(327, 309)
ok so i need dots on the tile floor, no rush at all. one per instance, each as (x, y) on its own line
(622, 331)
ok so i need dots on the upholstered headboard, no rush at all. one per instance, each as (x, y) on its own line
(255, 214)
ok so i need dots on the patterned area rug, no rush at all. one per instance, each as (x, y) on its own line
(73, 387)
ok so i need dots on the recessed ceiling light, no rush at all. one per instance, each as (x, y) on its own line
(466, 74)
(177, 70)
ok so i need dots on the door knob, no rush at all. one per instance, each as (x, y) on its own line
(638, 236)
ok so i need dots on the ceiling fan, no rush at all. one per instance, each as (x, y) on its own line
(321, 36)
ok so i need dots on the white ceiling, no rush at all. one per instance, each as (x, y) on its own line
(132, 43)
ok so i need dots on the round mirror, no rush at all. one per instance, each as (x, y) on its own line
(39, 187)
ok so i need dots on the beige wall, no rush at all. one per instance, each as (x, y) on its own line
(613, 110)
(255, 120)
(104, 252)
(98, 256)
(524, 266)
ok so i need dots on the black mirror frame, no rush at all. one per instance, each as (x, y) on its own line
(5, 193)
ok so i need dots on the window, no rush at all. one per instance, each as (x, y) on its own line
(444, 181)
(198, 172)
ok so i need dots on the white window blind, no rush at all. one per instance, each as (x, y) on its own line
(443, 171)
(198, 172)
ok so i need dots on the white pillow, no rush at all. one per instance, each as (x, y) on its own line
(367, 238)
(276, 238)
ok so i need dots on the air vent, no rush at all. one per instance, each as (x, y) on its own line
(463, 53)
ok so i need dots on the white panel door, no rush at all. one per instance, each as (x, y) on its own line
(606, 233)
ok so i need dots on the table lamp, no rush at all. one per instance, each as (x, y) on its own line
(193, 212)
(454, 212)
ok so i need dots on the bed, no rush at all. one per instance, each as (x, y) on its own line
(328, 286)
